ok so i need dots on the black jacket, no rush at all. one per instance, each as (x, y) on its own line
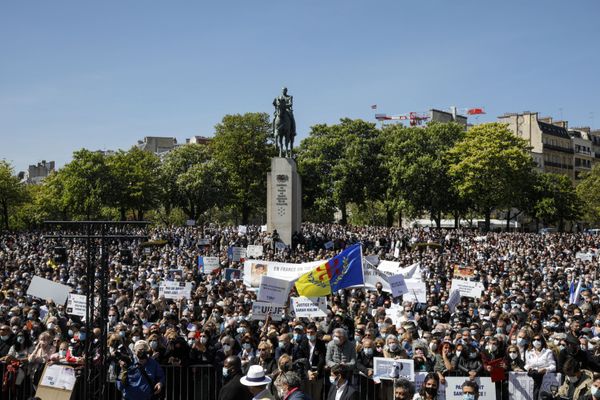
(349, 393)
(234, 390)
(317, 361)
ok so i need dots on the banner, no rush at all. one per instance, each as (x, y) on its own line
(520, 386)
(487, 389)
(46, 289)
(417, 291)
(398, 285)
(467, 288)
(453, 300)
(254, 269)
(373, 276)
(388, 368)
(309, 307)
(207, 265)
(420, 377)
(393, 268)
(584, 256)
(274, 290)
(76, 304)
(253, 251)
(175, 290)
(261, 309)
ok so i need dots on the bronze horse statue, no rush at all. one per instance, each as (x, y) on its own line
(284, 125)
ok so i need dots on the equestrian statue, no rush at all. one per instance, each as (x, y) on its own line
(284, 124)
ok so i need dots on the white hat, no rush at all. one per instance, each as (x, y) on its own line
(255, 377)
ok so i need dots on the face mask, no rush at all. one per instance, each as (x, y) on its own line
(513, 356)
(583, 347)
(50, 325)
(122, 334)
(492, 348)
(393, 347)
(70, 332)
(473, 355)
(312, 338)
(522, 342)
(458, 354)
(225, 372)
(431, 391)
(595, 391)
(153, 344)
(190, 342)
(226, 348)
(433, 346)
(203, 340)
(468, 396)
(204, 315)
(112, 319)
(561, 348)
(572, 378)
(357, 338)
(62, 353)
(241, 331)
(368, 352)
(246, 346)
(297, 337)
(336, 341)
(20, 339)
(333, 380)
(537, 344)
(4, 337)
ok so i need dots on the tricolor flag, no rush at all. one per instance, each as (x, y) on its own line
(340, 272)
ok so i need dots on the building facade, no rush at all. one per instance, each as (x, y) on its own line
(36, 173)
(157, 144)
(584, 155)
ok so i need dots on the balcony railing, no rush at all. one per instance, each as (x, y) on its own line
(558, 148)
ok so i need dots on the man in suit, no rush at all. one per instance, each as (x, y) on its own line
(232, 373)
(314, 350)
(340, 387)
(256, 382)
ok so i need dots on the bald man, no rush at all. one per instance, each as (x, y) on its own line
(233, 389)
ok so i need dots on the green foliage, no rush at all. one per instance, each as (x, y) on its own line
(491, 167)
(556, 200)
(12, 193)
(588, 190)
(415, 160)
(340, 164)
(241, 149)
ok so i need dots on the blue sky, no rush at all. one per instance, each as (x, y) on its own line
(104, 74)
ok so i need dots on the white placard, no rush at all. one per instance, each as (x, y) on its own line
(417, 291)
(310, 307)
(46, 289)
(388, 368)
(520, 386)
(175, 290)
(59, 377)
(466, 288)
(584, 256)
(329, 245)
(253, 251)
(273, 290)
(207, 265)
(238, 253)
(372, 277)
(372, 259)
(263, 228)
(76, 304)
(487, 389)
(453, 300)
(242, 229)
(190, 222)
(260, 310)
(398, 285)
(397, 252)
(254, 269)
(420, 377)
(204, 242)
(393, 268)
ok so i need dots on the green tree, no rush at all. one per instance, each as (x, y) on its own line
(415, 159)
(588, 190)
(556, 200)
(241, 148)
(135, 181)
(491, 168)
(86, 184)
(12, 192)
(341, 164)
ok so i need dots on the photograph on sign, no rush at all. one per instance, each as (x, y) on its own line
(232, 274)
(207, 265)
(254, 269)
(388, 368)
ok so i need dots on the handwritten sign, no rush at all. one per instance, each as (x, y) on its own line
(273, 290)
(175, 290)
(261, 309)
(310, 307)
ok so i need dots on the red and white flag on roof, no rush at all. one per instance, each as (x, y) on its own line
(475, 111)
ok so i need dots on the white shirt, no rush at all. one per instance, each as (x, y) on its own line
(540, 360)
(311, 346)
(340, 390)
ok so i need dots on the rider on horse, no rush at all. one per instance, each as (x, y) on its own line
(285, 102)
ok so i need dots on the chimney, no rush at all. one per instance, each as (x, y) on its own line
(453, 111)
(562, 124)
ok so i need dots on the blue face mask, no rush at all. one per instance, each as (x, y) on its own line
(81, 336)
(297, 337)
(468, 396)
(225, 372)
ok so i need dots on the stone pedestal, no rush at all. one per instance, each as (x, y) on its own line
(284, 198)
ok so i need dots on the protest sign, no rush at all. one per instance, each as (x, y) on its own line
(417, 291)
(253, 251)
(232, 274)
(263, 228)
(372, 276)
(388, 368)
(309, 307)
(398, 285)
(203, 242)
(254, 269)
(47, 289)
(329, 245)
(175, 290)
(207, 265)
(238, 254)
(372, 259)
(466, 288)
(453, 300)
(487, 389)
(59, 377)
(273, 290)
(76, 304)
(463, 271)
(190, 222)
(242, 229)
(420, 377)
(261, 309)
(280, 245)
(393, 268)
(584, 256)
(520, 386)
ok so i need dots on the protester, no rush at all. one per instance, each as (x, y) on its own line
(257, 382)
(141, 377)
(340, 388)
(233, 388)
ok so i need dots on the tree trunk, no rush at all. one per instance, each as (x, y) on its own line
(344, 215)
(561, 225)
(456, 220)
(437, 217)
(400, 218)
(245, 214)
(389, 217)
(488, 217)
(122, 210)
(5, 214)
(508, 220)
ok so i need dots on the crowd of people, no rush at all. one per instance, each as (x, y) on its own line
(526, 320)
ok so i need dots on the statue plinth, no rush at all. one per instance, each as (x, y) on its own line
(284, 199)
